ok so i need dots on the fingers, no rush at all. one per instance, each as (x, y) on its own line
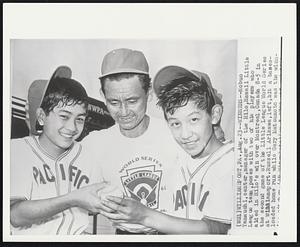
(117, 223)
(113, 216)
(116, 199)
(100, 186)
(101, 206)
(111, 205)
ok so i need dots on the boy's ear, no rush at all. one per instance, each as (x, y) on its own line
(40, 116)
(216, 114)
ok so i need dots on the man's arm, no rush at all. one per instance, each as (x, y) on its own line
(129, 210)
(28, 212)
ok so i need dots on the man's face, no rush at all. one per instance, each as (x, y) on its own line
(191, 127)
(127, 102)
(63, 126)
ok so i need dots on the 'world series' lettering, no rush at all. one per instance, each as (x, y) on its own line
(181, 197)
(43, 176)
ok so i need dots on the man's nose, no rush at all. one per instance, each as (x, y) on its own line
(124, 109)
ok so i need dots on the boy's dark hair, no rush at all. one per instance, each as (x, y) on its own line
(63, 90)
(144, 79)
(181, 91)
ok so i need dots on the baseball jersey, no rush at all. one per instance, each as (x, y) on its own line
(205, 187)
(141, 167)
(36, 175)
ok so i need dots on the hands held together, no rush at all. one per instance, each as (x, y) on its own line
(97, 199)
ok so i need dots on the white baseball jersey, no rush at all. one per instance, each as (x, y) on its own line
(36, 175)
(205, 187)
(141, 167)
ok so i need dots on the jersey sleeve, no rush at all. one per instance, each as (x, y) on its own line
(92, 156)
(20, 171)
(219, 205)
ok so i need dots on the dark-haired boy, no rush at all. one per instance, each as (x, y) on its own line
(50, 186)
(203, 194)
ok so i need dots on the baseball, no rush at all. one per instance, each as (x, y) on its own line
(110, 190)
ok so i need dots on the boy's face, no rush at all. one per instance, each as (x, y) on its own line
(63, 126)
(191, 127)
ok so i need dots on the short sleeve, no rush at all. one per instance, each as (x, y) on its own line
(91, 156)
(20, 171)
(219, 205)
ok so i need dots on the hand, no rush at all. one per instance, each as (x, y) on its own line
(87, 198)
(124, 210)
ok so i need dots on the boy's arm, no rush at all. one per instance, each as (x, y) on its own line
(174, 225)
(129, 210)
(28, 212)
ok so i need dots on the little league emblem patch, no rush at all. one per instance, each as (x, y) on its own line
(143, 184)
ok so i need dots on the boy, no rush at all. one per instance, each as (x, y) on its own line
(49, 192)
(202, 198)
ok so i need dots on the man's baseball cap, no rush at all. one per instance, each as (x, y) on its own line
(37, 91)
(170, 73)
(124, 60)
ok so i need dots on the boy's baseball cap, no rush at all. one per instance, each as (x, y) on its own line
(124, 60)
(170, 73)
(37, 92)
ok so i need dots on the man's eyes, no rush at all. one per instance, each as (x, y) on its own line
(132, 101)
(114, 103)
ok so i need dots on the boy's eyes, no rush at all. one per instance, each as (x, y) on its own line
(80, 120)
(194, 120)
(174, 124)
(64, 117)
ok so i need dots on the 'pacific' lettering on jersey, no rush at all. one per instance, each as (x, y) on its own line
(45, 175)
(181, 197)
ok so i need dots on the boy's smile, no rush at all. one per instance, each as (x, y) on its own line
(62, 126)
(192, 129)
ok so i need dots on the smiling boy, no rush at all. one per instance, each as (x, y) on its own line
(50, 185)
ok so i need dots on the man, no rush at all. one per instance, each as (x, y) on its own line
(203, 193)
(51, 191)
(136, 153)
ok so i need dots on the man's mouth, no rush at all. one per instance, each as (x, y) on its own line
(125, 119)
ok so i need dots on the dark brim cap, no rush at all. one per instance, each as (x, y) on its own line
(170, 73)
(37, 92)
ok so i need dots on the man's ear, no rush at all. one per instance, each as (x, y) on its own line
(216, 114)
(40, 116)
